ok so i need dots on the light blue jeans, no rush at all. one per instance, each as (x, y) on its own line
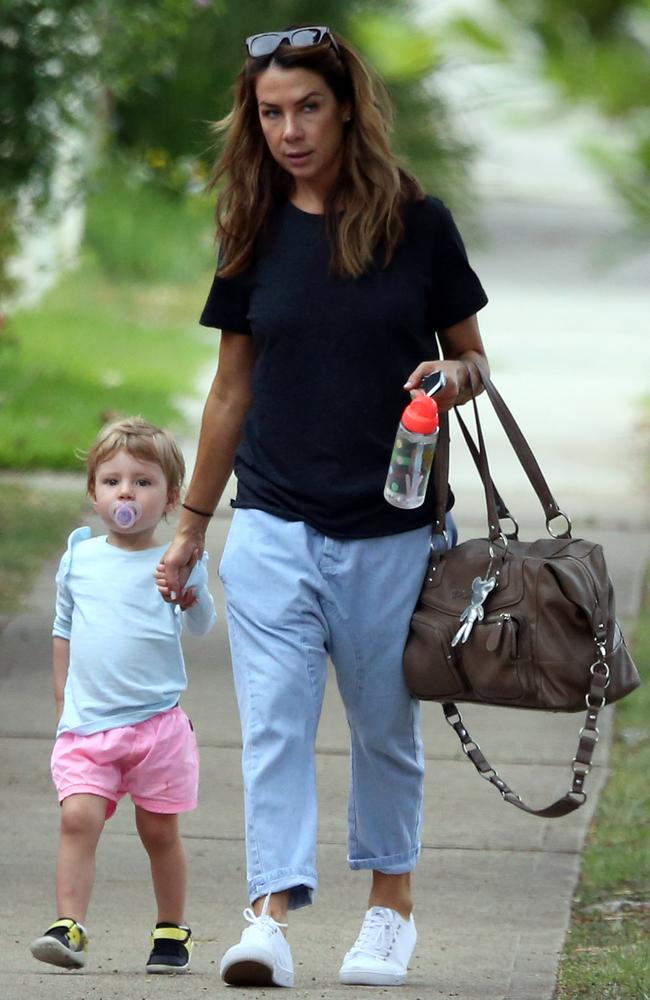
(294, 597)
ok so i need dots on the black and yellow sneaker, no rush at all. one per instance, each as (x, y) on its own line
(64, 943)
(172, 948)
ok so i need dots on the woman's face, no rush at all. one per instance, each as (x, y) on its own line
(302, 122)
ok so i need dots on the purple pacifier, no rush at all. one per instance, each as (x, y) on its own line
(125, 513)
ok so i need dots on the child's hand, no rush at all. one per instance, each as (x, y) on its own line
(166, 588)
(188, 599)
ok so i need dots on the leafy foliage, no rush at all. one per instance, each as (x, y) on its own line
(596, 53)
(46, 51)
(58, 60)
(155, 73)
(56, 57)
(170, 110)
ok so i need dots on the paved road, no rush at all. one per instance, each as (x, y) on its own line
(494, 886)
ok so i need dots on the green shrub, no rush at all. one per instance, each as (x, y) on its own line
(142, 231)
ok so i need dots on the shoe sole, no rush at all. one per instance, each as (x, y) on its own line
(370, 979)
(48, 949)
(247, 971)
(167, 970)
(248, 974)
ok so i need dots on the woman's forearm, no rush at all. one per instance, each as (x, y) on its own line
(221, 429)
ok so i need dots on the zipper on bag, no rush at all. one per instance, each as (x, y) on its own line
(502, 629)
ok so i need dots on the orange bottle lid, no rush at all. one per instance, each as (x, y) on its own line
(421, 415)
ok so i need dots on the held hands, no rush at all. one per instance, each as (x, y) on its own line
(173, 571)
(187, 599)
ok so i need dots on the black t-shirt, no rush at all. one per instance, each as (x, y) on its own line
(332, 356)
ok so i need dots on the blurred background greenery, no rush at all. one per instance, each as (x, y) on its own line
(105, 108)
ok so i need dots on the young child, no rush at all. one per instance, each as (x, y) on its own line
(118, 677)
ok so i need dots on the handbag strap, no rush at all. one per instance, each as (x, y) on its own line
(493, 502)
(503, 513)
(580, 765)
(496, 508)
(522, 450)
(441, 475)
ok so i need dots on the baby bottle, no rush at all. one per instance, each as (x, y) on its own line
(413, 451)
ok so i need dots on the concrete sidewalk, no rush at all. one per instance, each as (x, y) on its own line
(493, 888)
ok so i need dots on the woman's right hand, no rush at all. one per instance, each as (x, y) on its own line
(173, 570)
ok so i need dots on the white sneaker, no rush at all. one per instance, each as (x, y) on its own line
(381, 954)
(262, 957)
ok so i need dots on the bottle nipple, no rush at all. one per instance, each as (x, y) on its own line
(125, 513)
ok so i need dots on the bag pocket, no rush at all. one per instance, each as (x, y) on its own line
(490, 658)
(429, 661)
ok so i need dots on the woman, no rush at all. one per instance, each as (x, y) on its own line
(336, 274)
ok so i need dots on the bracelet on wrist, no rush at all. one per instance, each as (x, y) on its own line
(193, 510)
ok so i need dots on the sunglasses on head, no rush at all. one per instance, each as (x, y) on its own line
(268, 41)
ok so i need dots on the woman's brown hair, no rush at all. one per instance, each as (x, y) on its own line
(365, 207)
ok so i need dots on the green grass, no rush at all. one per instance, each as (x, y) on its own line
(607, 952)
(34, 527)
(95, 348)
(117, 336)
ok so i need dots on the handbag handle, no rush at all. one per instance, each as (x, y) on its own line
(493, 502)
(503, 513)
(580, 765)
(496, 508)
(522, 450)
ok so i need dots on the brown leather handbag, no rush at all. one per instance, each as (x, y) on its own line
(521, 624)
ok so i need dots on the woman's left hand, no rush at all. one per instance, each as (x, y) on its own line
(451, 394)
(461, 346)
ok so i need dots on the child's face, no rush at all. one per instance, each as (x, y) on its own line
(122, 477)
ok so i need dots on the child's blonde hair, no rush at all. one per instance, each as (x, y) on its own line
(141, 440)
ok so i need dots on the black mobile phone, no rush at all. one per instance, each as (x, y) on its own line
(433, 383)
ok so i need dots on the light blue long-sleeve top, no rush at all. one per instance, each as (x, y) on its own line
(126, 661)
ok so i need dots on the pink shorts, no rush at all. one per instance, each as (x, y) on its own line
(155, 761)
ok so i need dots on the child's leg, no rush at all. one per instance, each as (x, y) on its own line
(82, 821)
(161, 838)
